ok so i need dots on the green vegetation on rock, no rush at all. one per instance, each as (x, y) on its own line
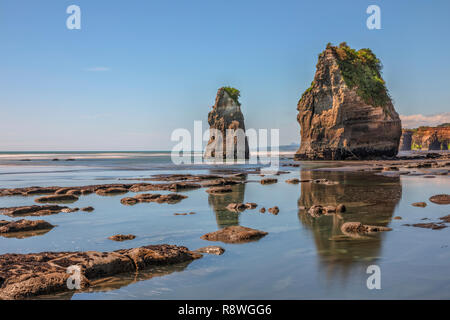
(234, 93)
(362, 70)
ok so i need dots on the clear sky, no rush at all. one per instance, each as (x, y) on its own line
(137, 70)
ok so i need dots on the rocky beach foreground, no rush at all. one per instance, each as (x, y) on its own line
(31, 275)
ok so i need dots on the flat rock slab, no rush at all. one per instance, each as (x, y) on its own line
(429, 225)
(269, 181)
(170, 198)
(419, 204)
(234, 234)
(211, 250)
(274, 210)
(122, 237)
(441, 199)
(29, 275)
(32, 210)
(23, 226)
(111, 191)
(219, 190)
(57, 198)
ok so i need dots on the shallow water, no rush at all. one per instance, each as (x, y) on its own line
(300, 258)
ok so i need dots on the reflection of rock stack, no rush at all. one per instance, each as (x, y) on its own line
(369, 201)
(227, 127)
(224, 217)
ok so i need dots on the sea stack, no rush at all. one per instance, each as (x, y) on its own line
(347, 113)
(227, 129)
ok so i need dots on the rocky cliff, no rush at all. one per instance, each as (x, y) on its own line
(226, 121)
(347, 112)
(426, 138)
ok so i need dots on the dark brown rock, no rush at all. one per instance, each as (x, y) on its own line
(211, 250)
(430, 225)
(219, 190)
(236, 207)
(419, 204)
(275, 210)
(122, 237)
(23, 226)
(70, 210)
(441, 199)
(30, 275)
(183, 213)
(234, 234)
(57, 198)
(358, 227)
(32, 210)
(170, 198)
(87, 209)
(251, 205)
(293, 181)
(269, 181)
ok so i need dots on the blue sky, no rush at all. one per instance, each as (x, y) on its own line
(137, 70)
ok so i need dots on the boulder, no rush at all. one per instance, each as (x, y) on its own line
(236, 207)
(347, 112)
(406, 140)
(268, 181)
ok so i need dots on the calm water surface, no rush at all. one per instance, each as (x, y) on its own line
(300, 258)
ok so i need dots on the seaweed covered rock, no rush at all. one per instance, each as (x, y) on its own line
(347, 111)
(226, 121)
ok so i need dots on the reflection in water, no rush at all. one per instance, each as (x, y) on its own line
(370, 199)
(219, 202)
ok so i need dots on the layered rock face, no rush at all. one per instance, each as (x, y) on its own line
(226, 121)
(347, 112)
(427, 138)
